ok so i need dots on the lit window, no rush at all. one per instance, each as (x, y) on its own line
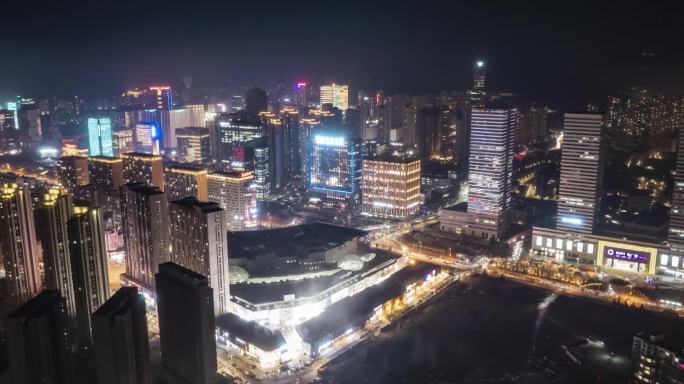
(674, 261)
(590, 249)
(568, 245)
(663, 259)
(539, 241)
(559, 243)
(580, 247)
(549, 242)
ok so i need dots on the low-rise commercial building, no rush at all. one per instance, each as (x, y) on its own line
(606, 252)
(268, 347)
(352, 313)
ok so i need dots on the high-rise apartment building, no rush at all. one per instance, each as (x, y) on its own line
(391, 187)
(335, 94)
(183, 181)
(655, 361)
(53, 216)
(89, 265)
(198, 242)
(186, 324)
(581, 172)
(38, 344)
(106, 173)
(144, 168)
(235, 192)
(122, 352)
(73, 172)
(335, 171)
(100, 136)
(18, 244)
(144, 215)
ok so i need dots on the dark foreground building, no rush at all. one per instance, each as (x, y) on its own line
(122, 351)
(186, 324)
(38, 341)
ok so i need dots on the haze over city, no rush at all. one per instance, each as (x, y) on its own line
(342, 192)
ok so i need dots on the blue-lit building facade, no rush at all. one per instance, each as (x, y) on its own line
(335, 170)
(100, 136)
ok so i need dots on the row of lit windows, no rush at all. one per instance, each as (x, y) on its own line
(568, 245)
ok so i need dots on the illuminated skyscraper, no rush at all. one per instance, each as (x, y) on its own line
(146, 138)
(306, 129)
(478, 92)
(164, 97)
(335, 94)
(18, 244)
(100, 136)
(335, 170)
(181, 181)
(186, 324)
(300, 94)
(38, 344)
(194, 145)
(122, 352)
(479, 75)
(144, 214)
(434, 129)
(237, 103)
(276, 147)
(581, 172)
(124, 142)
(175, 119)
(236, 194)
(10, 139)
(234, 131)
(391, 187)
(144, 168)
(676, 232)
(490, 169)
(89, 266)
(198, 242)
(289, 119)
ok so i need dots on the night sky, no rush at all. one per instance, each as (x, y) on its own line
(555, 51)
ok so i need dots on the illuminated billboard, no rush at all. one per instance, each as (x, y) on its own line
(627, 255)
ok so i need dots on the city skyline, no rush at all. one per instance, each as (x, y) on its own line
(585, 50)
(326, 192)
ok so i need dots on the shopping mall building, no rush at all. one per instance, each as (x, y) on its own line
(616, 254)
